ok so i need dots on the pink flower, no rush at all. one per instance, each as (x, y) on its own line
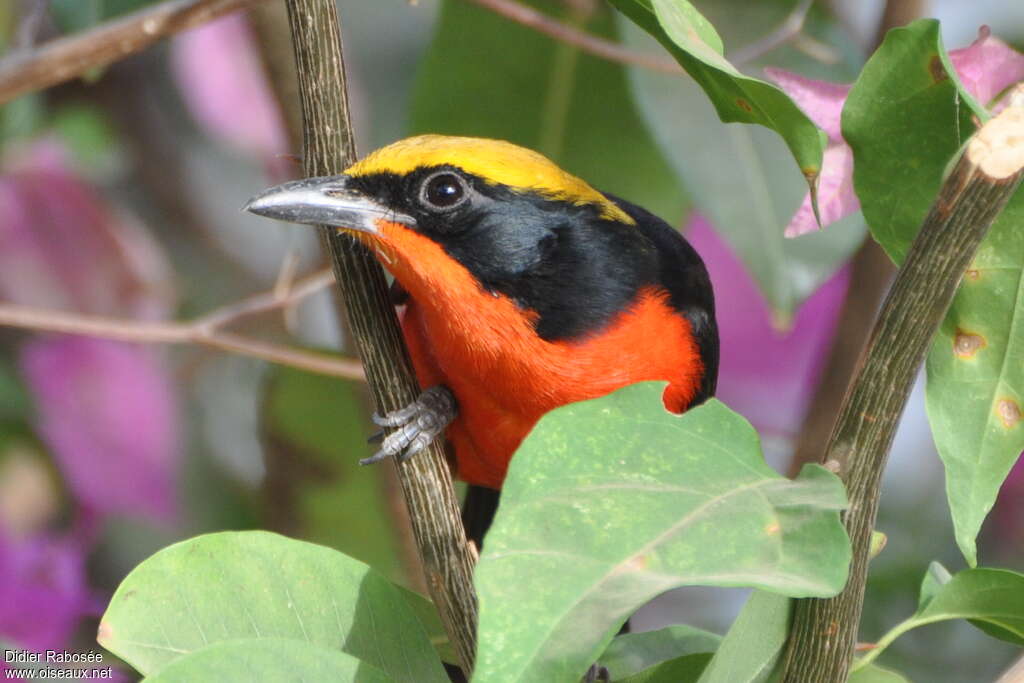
(105, 410)
(218, 70)
(62, 246)
(43, 591)
(1008, 512)
(985, 68)
(767, 374)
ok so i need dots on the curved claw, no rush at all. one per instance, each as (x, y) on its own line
(418, 424)
(376, 457)
(397, 417)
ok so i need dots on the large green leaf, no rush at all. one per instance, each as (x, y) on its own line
(752, 646)
(905, 118)
(737, 174)
(632, 653)
(612, 501)
(691, 39)
(489, 77)
(991, 599)
(430, 619)
(234, 585)
(314, 433)
(976, 377)
(267, 659)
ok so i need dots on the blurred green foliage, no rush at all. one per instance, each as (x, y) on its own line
(485, 76)
(314, 429)
(76, 15)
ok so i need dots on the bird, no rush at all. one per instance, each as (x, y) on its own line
(522, 289)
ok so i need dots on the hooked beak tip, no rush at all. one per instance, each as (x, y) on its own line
(260, 204)
(323, 201)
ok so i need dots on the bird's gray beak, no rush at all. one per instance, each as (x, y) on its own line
(325, 201)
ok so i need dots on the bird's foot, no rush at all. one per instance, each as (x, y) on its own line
(596, 674)
(418, 424)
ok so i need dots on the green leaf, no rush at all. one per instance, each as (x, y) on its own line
(717, 162)
(281, 660)
(233, 585)
(22, 117)
(934, 579)
(976, 377)
(906, 118)
(685, 669)
(314, 432)
(991, 599)
(752, 646)
(430, 619)
(573, 107)
(612, 501)
(876, 674)
(631, 653)
(15, 404)
(696, 46)
(87, 133)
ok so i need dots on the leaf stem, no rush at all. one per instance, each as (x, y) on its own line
(60, 60)
(886, 640)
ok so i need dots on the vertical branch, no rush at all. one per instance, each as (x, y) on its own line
(824, 631)
(270, 22)
(426, 480)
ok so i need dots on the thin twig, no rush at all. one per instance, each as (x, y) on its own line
(790, 27)
(71, 56)
(591, 44)
(205, 330)
(32, 16)
(527, 16)
(426, 479)
(268, 301)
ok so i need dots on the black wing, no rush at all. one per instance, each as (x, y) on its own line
(683, 274)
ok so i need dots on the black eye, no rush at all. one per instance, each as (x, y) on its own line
(443, 191)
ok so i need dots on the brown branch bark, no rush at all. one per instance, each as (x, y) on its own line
(823, 634)
(68, 57)
(871, 272)
(270, 22)
(527, 16)
(426, 480)
(566, 33)
(203, 331)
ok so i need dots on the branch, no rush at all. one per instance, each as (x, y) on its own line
(790, 27)
(33, 14)
(71, 56)
(425, 479)
(591, 44)
(822, 638)
(204, 330)
(527, 16)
